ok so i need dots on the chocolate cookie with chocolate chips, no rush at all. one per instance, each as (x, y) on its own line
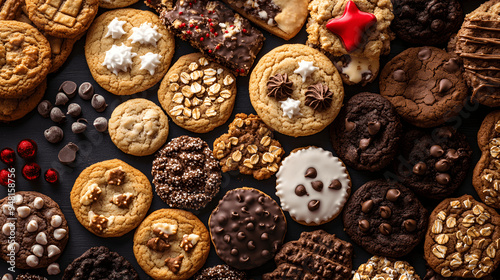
(220, 272)
(366, 133)
(433, 163)
(385, 219)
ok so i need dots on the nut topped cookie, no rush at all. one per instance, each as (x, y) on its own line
(296, 90)
(198, 94)
(249, 147)
(39, 227)
(384, 268)
(432, 275)
(463, 238)
(110, 198)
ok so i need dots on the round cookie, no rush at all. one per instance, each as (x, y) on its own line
(9, 8)
(463, 238)
(198, 94)
(220, 272)
(113, 4)
(41, 230)
(249, 147)
(384, 268)
(128, 50)
(296, 90)
(100, 263)
(478, 48)
(110, 198)
(312, 185)
(186, 174)
(236, 228)
(385, 219)
(171, 244)
(425, 85)
(12, 109)
(24, 59)
(138, 127)
(433, 163)
(28, 276)
(62, 19)
(426, 22)
(366, 133)
(432, 275)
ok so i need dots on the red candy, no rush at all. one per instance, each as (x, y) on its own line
(27, 149)
(31, 171)
(351, 25)
(51, 175)
(4, 177)
(8, 156)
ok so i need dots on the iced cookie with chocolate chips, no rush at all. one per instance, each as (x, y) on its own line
(198, 94)
(138, 127)
(110, 198)
(433, 163)
(425, 85)
(247, 228)
(385, 219)
(171, 244)
(383, 268)
(12, 109)
(100, 263)
(186, 174)
(39, 227)
(296, 90)
(249, 147)
(9, 8)
(463, 238)
(312, 185)
(221, 272)
(366, 132)
(316, 255)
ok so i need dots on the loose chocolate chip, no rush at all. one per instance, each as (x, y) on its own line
(444, 85)
(98, 103)
(44, 108)
(410, 225)
(74, 110)
(364, 143)
(69, 88)
(317, 185)
(56, 115)
(313, 205)
(436, 151)
(68, 154)
(300, 190)
(420, 168)
(452, 154)
(373, 127)
(61, 99)
(385, 212)
(367, 206)
(393, 195)
(335, 185)
(364, 225)
(53, 134)
(424, 54)
(385, 228)
(311, 173)
(443, 178)
(86, 91)
(442, 165)
(399, 75)
(79, 126)
(452, 65)
(349, 126)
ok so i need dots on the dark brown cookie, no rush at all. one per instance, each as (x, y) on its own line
(425, 85)
(426, 22)
(385, 218)
(366, 133)
(40, 233)
(220, 272)
(433, 163)
(247, 228)
(186, 174)
(316, 255)
(432, 275)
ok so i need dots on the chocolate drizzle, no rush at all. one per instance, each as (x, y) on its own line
(279, 87)
(319, 97)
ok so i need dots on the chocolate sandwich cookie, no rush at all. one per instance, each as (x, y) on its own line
(100, 263)
(39, 228)
(433, 163)
(220, 272)
(366, 133)
(432, 275)
(385, 218)
(247, 228)
(384, 268)
(316, 255)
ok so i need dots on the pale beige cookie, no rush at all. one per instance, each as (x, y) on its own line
(283, 18)
(110, 198)
(12, 109)
(9, 8)
(24, 59)
(296, 90)
(197, 94)
(171, 244)
(113, 4)
(62, 18)
(128, 50)
(138, 127)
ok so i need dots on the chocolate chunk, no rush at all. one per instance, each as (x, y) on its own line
(452, 154)
(445, 85)
(349, 126)
(443, 178)
(174, 264)
(335, 185)
(79, 126)
(424, 54)
(61, 99)
(157, 244)
(300, 190)
(392, 195)
(436, 151)
(364, 225)
(69, 88)
(44, 108)
(420, 168)
(317, 185)
(311, 173)
(385, 228)
(313, 205)
(373, 127)
(442, 165)
(53, 134)
(56, 115)
(74, 110)
(367, 206)
(385, 212)
(101, 124)
(410, 225)
(399, 75)
(86, 91)
(68, 153)
(99, 103)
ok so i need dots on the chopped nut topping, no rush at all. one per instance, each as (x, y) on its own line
(174, 264)
(115, 176)
(164, 230)
(122, 200)
(92, 194)
(98, 223)
(157, 244)
(189, 241)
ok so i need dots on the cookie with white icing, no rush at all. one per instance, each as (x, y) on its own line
(313, 185)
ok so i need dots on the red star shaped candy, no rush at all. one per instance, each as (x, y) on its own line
(351, 25)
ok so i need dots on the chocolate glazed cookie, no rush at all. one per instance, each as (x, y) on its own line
(367, 131)
(434, 163)
(385, 218)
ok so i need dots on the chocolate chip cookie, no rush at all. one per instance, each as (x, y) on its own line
(186, 174)
(366, 133)
(425, 85)
(12, 109)
(113, 4)
(385, 218)
(221, 272)
(384, 268)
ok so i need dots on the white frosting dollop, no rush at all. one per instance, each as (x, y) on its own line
(118, 58)
(145, 34)
(115, 29)
(290, 107)
(305, 69)
(150, 61)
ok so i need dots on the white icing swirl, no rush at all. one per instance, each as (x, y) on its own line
(115, 29)
(150, 61)
(118, 58)
(145, 34)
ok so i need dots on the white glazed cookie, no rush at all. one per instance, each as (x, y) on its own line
(312, 185)
(138, 127)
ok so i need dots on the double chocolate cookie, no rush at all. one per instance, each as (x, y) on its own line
(366, 133)
(385, 218)
(220, 272)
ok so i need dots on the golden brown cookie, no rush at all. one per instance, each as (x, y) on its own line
(113, 4)
(62, 18)
(110, 198)
(128, 50)
(384, 268)
(24, 59)
(197, 94)
(171, 244)
(12, 109)
(9, 8)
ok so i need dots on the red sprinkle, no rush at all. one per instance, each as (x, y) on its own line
(180, 13)
(206, 35)
(188, 32)
(217, 47)
(212, 30)
(244, 30)
(183, 25)
(226, 31)
(216, 33)
(237, 70)
(209, 20)
(211, 24)
(201, 38)
(209, 51)
(231, 26)
(201, 15)
(191, 25)
(196, 27)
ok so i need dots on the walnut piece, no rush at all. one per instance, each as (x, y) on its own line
(115, 176)
(92, 194)
(164, 230)
(157, 244)
(122, 200)
(189, 241)
(174, 264)
(98, 223)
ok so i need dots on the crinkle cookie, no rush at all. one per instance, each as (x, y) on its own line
(12, 109)
(384, 268)
(296, 90)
